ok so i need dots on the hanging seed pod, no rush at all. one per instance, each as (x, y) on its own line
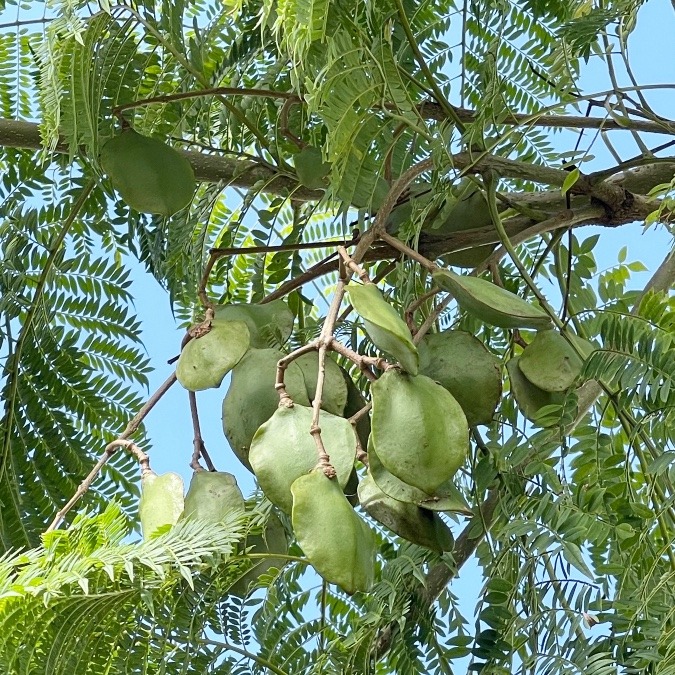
(338, 544)
(417, 525)
(150, 176)
(334, 395)
(419, 430)
(268, 325)
(530, 398)
(283, 449)
(461, 363)
(161, 501)
(311, 168)
(446, 497)
(550, 362)
(206, 360)
(252, 399)
(490, 303)
(271, 540)
(212, 496)
(384, 326)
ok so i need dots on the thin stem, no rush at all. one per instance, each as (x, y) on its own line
(129, 446)
(213, 91)
(15, 361)
(431, 319)
(264, 663)
(411, 253)
(120, 441)
(198, 442)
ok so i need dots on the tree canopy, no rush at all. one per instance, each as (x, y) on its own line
(371, 218)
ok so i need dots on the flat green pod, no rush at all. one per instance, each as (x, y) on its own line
(419, 430)
(490, 303)
(550, 362)
(150, 175)
(271, 540)
(446, 497)
(338, 544)
(161, 501)
(252, 399)
(310, 167)
(206, 360)
(417, 525)
(530, 398)
(355, 402)
(334, 397)
(283, 449)
(212, 496)
(462, 364)
(384, 326)
(269, 323)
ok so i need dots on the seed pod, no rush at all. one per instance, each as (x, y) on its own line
(150, 176)
(206, 360)
(268, 325)
(417, 525)
(283, 449)
(550, 362)
(311, 168)
(490, 303)
(334, 395)
(212, 496)
(252, 399)
(339, 545)
(530, 398)
(445, 498)
(384, 326)
(161, 501)
(272, 540)
(419, 430)
(461, 363)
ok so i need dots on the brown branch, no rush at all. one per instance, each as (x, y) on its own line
(214, 91)
(199, 447)
(120, 441)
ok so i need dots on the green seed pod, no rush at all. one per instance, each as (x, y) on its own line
(206, 360)
(419, 430)
(417, 525)
(339, 545)
(384, 326)
(272, 540)
(150, 176)
(311, 168)
(268, 325)
(460, 362)
(252, 399)
(212, 496)
(445, 498)
(490, 303)
(161, 501)
(530, 398)
(283, 449)
(550, 362)
(334, 395)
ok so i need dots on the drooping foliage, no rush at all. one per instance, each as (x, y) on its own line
(417, 143)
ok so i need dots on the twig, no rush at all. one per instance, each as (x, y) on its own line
(120, 441)
(353, 266)
(284, 397)
(302, 246)
(410, 310)
(283, 122)
(361, 360)
(129, 446)
(198, 442)
(431, 319)
(214, 91)
(411, 253)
